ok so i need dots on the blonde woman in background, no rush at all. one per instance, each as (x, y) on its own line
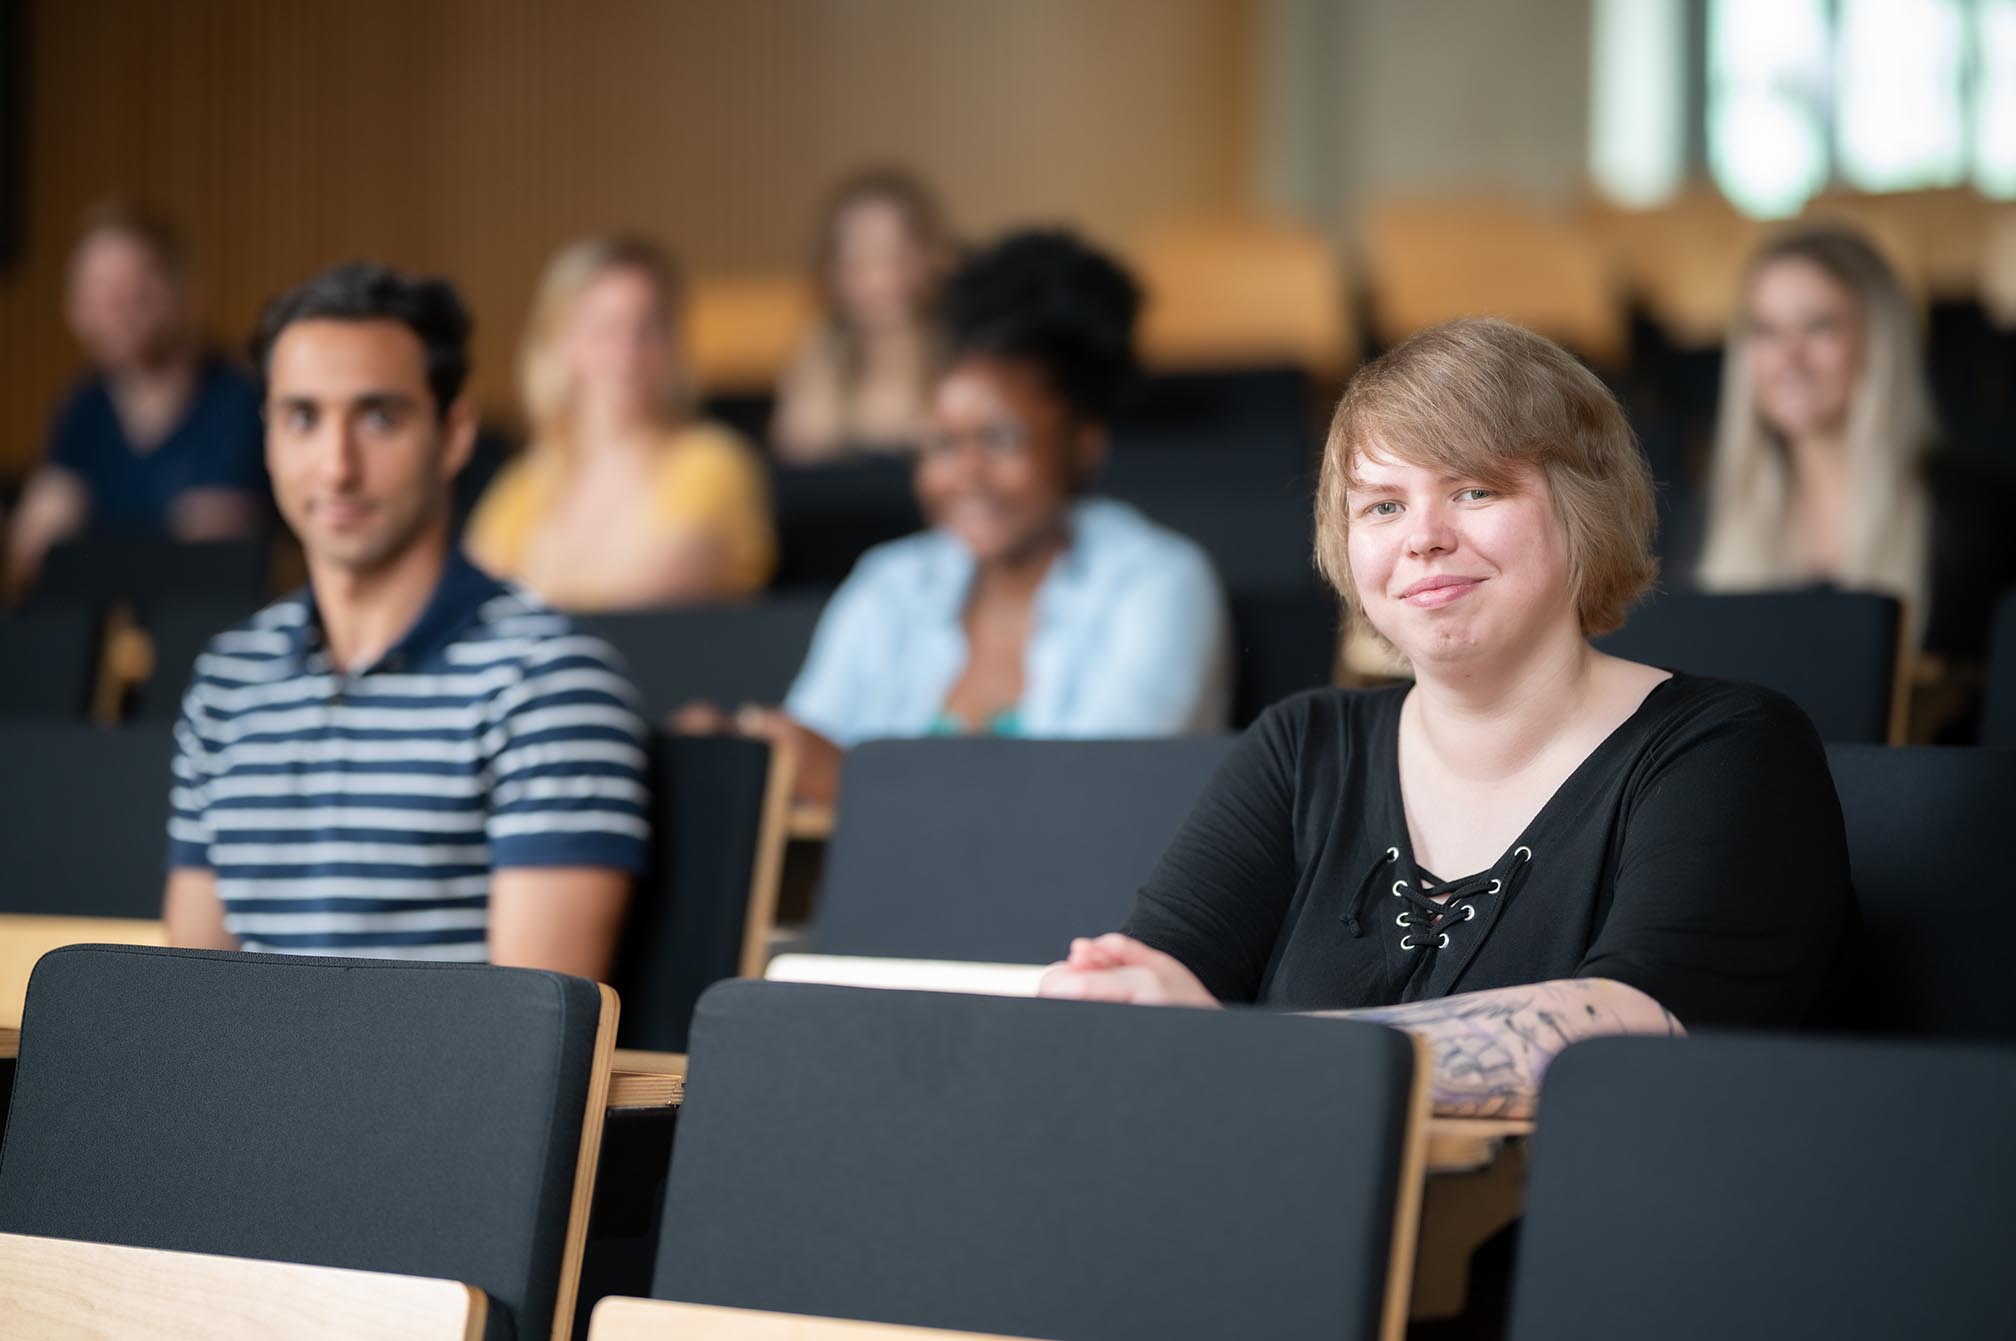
(1825, 469)
(861, 380)
(621, 499)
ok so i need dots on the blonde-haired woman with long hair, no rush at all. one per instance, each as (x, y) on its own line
(622, 499)
(1825, 469)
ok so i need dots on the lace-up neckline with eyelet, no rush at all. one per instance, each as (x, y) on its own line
(1427, 914)
(1433, 912)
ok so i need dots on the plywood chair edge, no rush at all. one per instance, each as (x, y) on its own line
(586, 1162)
(1903, 675)
(766, 874)
(131, 1267)
(1408, 1197)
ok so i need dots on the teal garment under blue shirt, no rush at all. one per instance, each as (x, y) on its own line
(1007, 723)
(1130, 637)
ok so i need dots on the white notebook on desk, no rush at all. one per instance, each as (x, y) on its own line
(917, 975)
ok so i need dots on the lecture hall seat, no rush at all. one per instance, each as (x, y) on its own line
(84, 818)
(1236, 292)
(1045, 1168)
(1254, 516)
(176, 632)
(49, 661)
(412, 1118)
(141, 570)
(829, 515)
(705, 907)
(1282, 644)
(1998, 713)
(728, 653)
(84, 824)
(1751, 1188)
(1926, 826)
(999, 851)
(1431, 260)
(1834, 653)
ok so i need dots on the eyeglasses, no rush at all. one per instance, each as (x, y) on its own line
(999, 438)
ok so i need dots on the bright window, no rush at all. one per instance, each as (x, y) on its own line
(1898, 73)
(1769, 79)
(1995, 98)
(1638, 100)
(1799, 95)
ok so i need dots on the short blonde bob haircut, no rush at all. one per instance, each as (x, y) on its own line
(1476, 399)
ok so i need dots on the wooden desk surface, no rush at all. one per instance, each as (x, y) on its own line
(1455, 1145)
(1465, 1145)
(640, 1079)
(809, 822)
(10, 1043)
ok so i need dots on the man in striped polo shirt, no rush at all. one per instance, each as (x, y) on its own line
(407, 758)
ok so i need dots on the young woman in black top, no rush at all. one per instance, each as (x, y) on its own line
(1534, 842)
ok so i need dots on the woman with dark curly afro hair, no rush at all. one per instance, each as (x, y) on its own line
(1031, 607)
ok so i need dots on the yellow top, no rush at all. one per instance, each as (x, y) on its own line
(709, 480)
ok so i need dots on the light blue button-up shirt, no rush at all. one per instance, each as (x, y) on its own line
(1129, 637)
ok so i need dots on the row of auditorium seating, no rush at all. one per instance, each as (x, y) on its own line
(1253, 308)
(1000, 852)
(1038, 1169)
(731, 654)
(83, 816)
(1246, 292)
(978, 851)
(1835, 654)
(56, 660)
(1247, 496)
(114, 623)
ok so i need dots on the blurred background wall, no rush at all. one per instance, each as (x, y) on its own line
(474, 136)
(1371, 97)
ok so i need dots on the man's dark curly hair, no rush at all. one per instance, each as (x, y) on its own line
(1046, 297)
(367, 291)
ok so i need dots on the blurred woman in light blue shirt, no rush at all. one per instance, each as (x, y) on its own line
(1125, 636)
(1030, 608)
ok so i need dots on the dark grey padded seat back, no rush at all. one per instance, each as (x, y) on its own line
(829, 516)
(726, 654)
(180, 629)
(145, 570)
(688, 915)
(1253, 513)
(1998, 714)
(1834, 653)
(404, 1117)
(1256, 414)
(1035, 1168)
(83, 818)
(1283, 644)
(49, 661)
(1744, 1188)
(999, 851)
(1926, 829)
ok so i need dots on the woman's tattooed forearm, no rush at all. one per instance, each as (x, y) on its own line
(1490, 1049)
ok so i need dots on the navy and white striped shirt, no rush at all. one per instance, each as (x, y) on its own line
(362, 813)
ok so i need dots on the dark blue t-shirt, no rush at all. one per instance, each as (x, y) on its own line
(217, 445)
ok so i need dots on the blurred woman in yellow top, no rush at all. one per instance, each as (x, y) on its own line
(621, 499)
